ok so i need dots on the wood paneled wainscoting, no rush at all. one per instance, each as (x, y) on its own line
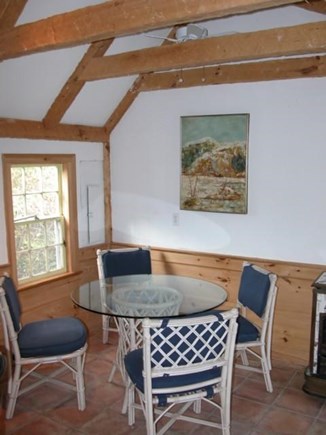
(292, 324)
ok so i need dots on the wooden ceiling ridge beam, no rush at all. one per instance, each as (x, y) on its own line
(286, 41)
(73, 86)
(117, 18)
(294, 68)
(26, 129)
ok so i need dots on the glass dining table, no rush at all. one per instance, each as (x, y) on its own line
(154, 296)
(131, 298)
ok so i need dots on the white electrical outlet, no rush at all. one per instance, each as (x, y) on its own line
(175, 219)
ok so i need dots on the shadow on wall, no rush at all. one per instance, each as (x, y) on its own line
(165, 225)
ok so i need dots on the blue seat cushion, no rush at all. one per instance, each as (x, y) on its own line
(246, 331)
(134, 366)
(52, 337)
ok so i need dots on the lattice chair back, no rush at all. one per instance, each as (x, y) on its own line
(60, 340)
(184, 360)
(257, 296)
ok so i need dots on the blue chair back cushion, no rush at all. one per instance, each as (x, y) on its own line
(52, 337)
(127, 263)
(12, 301)
(254, 289)
(246, 331)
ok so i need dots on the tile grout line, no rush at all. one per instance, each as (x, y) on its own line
(271, 405)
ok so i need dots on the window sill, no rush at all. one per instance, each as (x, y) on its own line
(50, 280)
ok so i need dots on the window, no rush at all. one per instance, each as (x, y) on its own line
(39, 217)
(38, 220)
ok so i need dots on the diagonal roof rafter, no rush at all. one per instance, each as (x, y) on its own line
(73, 86)
(10, 11)
(318, 6)
(132, 93)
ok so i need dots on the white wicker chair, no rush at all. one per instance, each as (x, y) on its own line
(256, 304)
(183, 361)
(118, 262)
(60, 340)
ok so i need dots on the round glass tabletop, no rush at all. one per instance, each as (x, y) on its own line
(155, 296)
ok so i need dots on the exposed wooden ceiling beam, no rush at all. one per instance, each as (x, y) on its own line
(314, 6)
(225, 74)
(72, 87)
(131, 94)
(16, 128)
(3, 6)
(10, 11)
(123, 106)
(304, 67)
(117, 18)
(295, 40)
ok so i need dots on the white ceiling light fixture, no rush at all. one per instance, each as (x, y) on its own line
(185, 33)
(189, 32)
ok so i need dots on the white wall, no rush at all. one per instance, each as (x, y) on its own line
(287, 154)
(286, 210)
(286, 204)
(89, 167)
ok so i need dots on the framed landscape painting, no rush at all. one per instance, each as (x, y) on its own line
(214, 169)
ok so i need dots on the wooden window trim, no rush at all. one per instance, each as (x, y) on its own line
(69, 192)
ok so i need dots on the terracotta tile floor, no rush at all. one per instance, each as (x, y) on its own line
(50, 410)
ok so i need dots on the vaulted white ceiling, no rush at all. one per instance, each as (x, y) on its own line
(29, 84)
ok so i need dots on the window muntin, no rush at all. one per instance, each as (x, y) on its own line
(39, 224)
